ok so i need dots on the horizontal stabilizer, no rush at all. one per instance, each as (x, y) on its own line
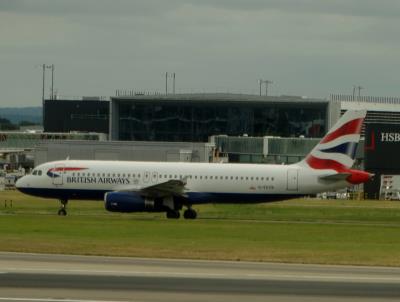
(336, 176)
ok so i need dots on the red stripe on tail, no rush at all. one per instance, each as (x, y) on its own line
(321, 164)
(351, 127)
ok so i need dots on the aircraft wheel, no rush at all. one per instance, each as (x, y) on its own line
(190, 214)
(173, 214)
(62, 212)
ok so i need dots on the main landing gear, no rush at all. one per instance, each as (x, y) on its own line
(190, 214)
(63, 209)
(173, 214)
(187, 214)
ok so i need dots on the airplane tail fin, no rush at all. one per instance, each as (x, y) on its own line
(337, 149)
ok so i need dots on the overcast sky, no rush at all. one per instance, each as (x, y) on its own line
(306, 47)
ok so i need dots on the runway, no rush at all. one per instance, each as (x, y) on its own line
(53, 278)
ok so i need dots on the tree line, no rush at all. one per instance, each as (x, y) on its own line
(7, 125)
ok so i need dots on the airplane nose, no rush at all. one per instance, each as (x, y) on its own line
(20, 183)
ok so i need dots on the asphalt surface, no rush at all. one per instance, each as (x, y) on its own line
(53, 278)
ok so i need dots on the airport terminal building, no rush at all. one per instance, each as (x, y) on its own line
(196, 117)
(87, 114)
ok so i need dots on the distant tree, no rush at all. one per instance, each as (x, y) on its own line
(5, 124)
(27, 123)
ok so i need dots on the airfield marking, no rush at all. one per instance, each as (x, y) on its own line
(231, 276)
(56, 300)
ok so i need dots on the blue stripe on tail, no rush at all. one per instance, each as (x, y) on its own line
(348, 149)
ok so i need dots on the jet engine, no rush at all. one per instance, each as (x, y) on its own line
(127, 202)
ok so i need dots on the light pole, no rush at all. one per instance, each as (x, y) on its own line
(44, 66)
(52, 81)
(359, 90)
(266, 82)
(169, 75)
(166, 83)
(357, 87)
(173, 88)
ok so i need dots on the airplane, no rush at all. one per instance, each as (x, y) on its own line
(128, 186)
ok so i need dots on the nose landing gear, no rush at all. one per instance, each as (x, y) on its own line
(63, 209)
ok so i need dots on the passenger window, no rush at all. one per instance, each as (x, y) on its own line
(205, 177)
(262, 178)
(272, 178)
(211, 177)
(237, 177)
(247, 178)
(241, 177)
(221, 177)
(256, 178)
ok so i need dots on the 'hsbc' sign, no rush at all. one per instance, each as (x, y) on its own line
(390, 137)
(382, 147)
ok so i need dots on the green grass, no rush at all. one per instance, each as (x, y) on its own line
(299, 231)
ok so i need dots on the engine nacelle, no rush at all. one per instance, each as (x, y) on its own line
(126, 202)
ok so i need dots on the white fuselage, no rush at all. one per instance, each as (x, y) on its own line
(205, 182)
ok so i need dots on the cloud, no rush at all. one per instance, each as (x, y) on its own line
(369, 8)
(306, 47)
(99, 8)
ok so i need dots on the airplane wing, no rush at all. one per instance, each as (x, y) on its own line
(173, 187)
(335, 177)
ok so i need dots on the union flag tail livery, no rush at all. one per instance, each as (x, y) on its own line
(168, 187)
(337, 149)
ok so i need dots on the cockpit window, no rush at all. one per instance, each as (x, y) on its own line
(34, 172)
(40, 172)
